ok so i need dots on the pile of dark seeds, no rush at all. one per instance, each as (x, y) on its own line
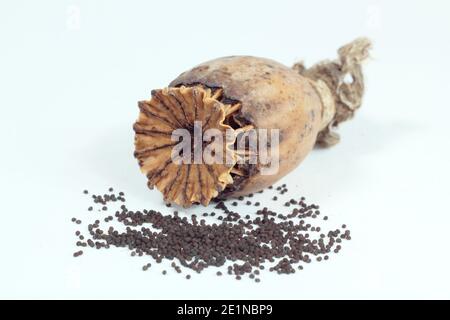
(241, 244)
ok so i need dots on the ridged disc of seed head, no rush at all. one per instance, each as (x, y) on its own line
(169, 109)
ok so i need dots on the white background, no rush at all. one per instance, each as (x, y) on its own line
(71, 73)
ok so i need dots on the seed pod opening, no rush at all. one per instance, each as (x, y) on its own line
(238, 96)
(173, 109)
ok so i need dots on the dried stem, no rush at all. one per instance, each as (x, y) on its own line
(340, 84)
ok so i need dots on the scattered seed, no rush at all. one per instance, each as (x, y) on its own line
(197, 245)
(78, 253)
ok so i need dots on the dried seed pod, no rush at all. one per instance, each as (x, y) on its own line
(237, 95)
